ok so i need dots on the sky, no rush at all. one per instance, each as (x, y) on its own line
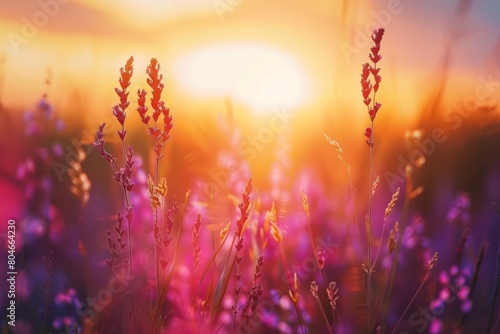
(262, 54)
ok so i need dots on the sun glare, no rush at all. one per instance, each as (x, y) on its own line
(258, 76)
(148, 13)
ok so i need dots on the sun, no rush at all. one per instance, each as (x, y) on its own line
(259, 76)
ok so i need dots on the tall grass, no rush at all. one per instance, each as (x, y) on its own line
(203, 272)
(228, 264)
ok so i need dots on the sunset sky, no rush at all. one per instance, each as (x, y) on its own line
(262, 54)
(252, 88)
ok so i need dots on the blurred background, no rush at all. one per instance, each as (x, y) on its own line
(232, 70)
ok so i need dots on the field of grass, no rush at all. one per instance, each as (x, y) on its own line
(159, 219)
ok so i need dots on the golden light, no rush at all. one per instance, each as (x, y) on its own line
(148, 13)
(259, 76)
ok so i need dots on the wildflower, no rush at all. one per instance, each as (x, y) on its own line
(460, 209)
(366, 85)
(332, 292)
(160, 136)
(321, 259)
(368, 134)
(314, 289)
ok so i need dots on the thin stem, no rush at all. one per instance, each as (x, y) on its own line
(474, 279)
(215, 307)
(129, 232)
(356, 219)
(495, 290)
(292, 289)
(311, 239)
(370, 215)
(212, 231)
(234, 323)
(324, 315)
(369, 232)
(380, 297)
(333, 321)
(220, 327)
(204, 272)
(381, 243)
(168, 277)
(411, 301)
(497, 280)
(493, 331)
(157, 247)
(237, 285)
(129, 237)
(397, 249)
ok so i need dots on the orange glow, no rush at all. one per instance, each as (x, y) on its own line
(259, 76)
(294, 59)
(148, 13)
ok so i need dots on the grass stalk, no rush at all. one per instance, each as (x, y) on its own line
(431, 265)
(496, 285)
(293, 292)
(475, 276)
(168, 278)
(372, 107)
(340, 155)
(369, 236)
(397, 248)
(205, 271)
(320, 265)
(314, 291)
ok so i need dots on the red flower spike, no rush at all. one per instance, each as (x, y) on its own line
(374, 110)
(167, 242)
(126, 73)
(124, 80)
(368, 134)
(377, 38)
(156, 114)
(321, 259)
(171, 214)
(239, 245)
(375, 58)
(377, 35)
(154, 81)
(160, 136)
(365, 71)
(130, 160)
(99, 145)
(366, 87)
(122, 134)
(371, 113)
(142, 108)
(119, 114)
(378, 78)
(375, 49)
(374, 71)
(123, 95)
(243, 207)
